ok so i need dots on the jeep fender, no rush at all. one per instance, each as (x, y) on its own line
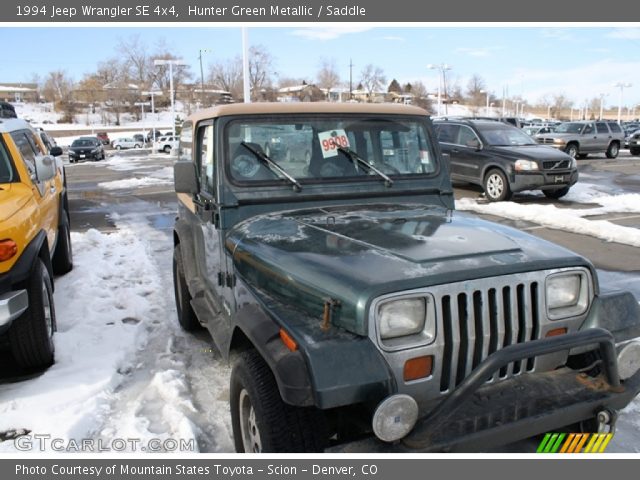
(183, 235)
(328, 371)
(617, 312)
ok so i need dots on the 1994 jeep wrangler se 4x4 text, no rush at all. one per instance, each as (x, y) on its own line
(355, 302)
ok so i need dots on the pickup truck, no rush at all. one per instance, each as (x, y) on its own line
(355, 302)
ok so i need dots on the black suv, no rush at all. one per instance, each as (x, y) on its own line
(86, 148)
(503, 159)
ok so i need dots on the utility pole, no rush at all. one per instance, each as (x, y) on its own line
(171, 63)
(245, 65)
(201, 51)
(152, 94)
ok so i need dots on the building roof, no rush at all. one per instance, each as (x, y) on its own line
(264, 108)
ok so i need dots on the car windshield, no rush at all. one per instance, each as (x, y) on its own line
(82, 143)
(503, 135)
(570, 127)
(316, 148)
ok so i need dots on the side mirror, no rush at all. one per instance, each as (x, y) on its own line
(45, 168)
(184, 177)
(55, 151)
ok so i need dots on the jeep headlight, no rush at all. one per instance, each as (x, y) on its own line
(406, 321)
(567, 294)
(526, 166)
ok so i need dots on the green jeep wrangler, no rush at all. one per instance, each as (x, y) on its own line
(356, 303)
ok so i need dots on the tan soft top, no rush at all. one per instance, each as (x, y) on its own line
(305, 107)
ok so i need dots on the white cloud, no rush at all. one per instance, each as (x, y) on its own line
(625, 33)
(327, 33)
(557, 34)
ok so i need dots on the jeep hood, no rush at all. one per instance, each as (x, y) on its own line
(355, 253)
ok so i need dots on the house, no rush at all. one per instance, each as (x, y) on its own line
(19, 92)
(301, 93)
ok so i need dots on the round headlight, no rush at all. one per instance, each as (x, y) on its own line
(398, 318)
(395, 417)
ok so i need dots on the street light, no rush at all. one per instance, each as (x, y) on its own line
(152, 94)
(621, 86)
(171, 63)
(201, 51)
(442, 67)
(602, 95)
(486, 110)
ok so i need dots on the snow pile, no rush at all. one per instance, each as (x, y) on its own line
(103, 310)
(568, 219)
(130, 183)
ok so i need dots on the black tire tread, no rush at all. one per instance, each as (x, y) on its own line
(29, 339)
(186, 316)
(62, 260)
(283, 428)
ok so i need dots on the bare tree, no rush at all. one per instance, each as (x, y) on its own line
(58, 87)
(227, 76)
(260, 70)
(420, 96)
(327, 75)
(372, 78)
(476, 93)
(137, 63)
(559, 103)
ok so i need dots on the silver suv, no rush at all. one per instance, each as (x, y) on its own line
(579, 139)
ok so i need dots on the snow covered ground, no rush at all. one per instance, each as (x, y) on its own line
(125, 371)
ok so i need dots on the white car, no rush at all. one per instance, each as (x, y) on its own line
(165, 144)
(126, 142)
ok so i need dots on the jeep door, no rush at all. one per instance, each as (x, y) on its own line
(46, 193)
(209, 251)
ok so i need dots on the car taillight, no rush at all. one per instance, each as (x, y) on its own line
(8, 248)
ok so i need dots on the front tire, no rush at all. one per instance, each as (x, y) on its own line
(31, 335)
(166, 149)
(261, 421)
(572, 150)
(613, 150)
(186, 316)
(496, 186)
(118, 147)
(62, 260)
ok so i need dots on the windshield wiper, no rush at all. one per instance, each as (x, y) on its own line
(273, 166)
(357, 159)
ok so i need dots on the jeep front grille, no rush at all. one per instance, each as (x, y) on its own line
(477, 322)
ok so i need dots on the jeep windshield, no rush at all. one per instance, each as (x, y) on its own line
(321, 148)
(499, 135)
(570, 127)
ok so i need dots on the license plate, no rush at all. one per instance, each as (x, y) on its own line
(559, 179)
(82, 156)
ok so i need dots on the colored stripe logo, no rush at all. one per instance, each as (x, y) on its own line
(574, 443)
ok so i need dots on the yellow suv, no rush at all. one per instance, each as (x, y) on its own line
(35, 241)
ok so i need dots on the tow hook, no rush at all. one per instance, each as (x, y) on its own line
(606, 421)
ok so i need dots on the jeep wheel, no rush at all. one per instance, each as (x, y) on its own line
(118, 147)
(186, 316)
(572, 150)
(496, 186)
(261, 421)
(613, 150)
(556, 194)
(62, 260)
(634, 151)
(31, 335)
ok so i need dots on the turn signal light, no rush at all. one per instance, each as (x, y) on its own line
(289, 342)
(556, 331)
(8, 248)
(419, 367)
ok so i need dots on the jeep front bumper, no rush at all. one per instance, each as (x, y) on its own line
(478, 415)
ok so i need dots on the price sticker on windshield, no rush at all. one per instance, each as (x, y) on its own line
(331, 140)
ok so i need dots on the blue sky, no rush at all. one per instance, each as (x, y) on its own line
(580, 62)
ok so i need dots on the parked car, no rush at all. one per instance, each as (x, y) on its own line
(86, 148)
(138, 137)
(355, 302)
(634, 143)
(534, 130)
(629, 130)
(165, 144)
(7, 110)
(49, 141)
(579, 139)
(150, 136)
(126, 142)
(103, 137)
(35, 242)
(503, 159)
